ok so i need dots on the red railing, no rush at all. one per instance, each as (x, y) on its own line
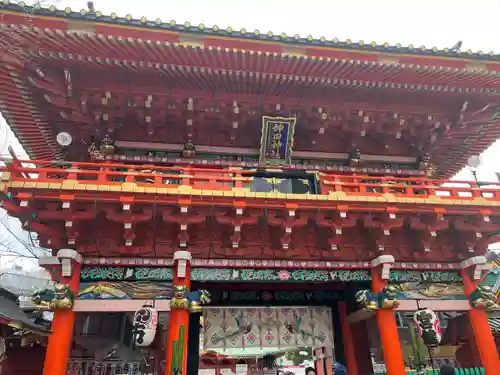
(117, 174)
(408, 187)
(235, 178)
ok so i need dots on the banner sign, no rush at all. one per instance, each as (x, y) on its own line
(275, 297)
(277, 140)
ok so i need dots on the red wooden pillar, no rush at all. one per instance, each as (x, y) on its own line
(65, 269)
(388, 330)
(362, 345)
(347, 335)
(472, 270)
(323, 361)
(177, 339)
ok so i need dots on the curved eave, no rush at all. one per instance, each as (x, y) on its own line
(456, 158)
(25, 120)
(35, 132)
(242, 35)
(132, 53)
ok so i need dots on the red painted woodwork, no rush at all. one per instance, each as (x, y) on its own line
(168, 87)
(362, 354)
(23, 361)
(144, 86)
(330, 120)
(112, 223)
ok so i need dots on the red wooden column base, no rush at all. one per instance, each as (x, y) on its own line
(65, 269)
(472, 270)
(386, 319)
(323, 361)
(177, 339)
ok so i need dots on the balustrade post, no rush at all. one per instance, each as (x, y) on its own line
(386, 318)
(103, 177)
(186, 180)
(65, 270)
(472, 271)
(177, 339)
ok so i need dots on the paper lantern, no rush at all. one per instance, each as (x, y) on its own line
(428, 326)
(145, 323)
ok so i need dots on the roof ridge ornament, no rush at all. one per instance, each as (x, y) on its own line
(454, 51)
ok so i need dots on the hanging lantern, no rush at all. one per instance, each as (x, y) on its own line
(145, 323)
(428, 327)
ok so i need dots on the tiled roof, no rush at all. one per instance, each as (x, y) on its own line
(296, 39)
(11, 312)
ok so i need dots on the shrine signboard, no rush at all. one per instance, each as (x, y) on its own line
(277, 140)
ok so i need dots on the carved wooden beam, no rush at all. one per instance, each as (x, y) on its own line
(475, 231)
(288, 221)
(128, 218)
(339, 220)
(71, 218)
(237, 221)
(381, 226)
(17, 208)
(184, 218)
(429, 227)
(50, 235)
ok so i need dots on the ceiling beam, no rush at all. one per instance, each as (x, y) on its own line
(175, 147)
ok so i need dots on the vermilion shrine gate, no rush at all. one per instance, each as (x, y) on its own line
(225, 159)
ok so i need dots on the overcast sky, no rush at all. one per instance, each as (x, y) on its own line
(439, 23)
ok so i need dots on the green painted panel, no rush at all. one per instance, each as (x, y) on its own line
(136, 273)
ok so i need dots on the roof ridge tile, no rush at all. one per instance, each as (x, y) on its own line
(113, 18)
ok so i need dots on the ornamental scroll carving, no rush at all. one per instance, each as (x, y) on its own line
(131, 273)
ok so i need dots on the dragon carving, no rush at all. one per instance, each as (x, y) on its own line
(62, 297)
(386, 299)
(483, 298)
(192, 301)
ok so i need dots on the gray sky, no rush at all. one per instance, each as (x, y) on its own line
(439, 23)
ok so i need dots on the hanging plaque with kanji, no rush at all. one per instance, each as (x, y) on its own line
(277, 140)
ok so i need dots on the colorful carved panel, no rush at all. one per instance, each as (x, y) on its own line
(126, 273)
(123, 290)
(430, 290)
(267, 327)
(437, 285)
(426, 276)
(92, 274)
